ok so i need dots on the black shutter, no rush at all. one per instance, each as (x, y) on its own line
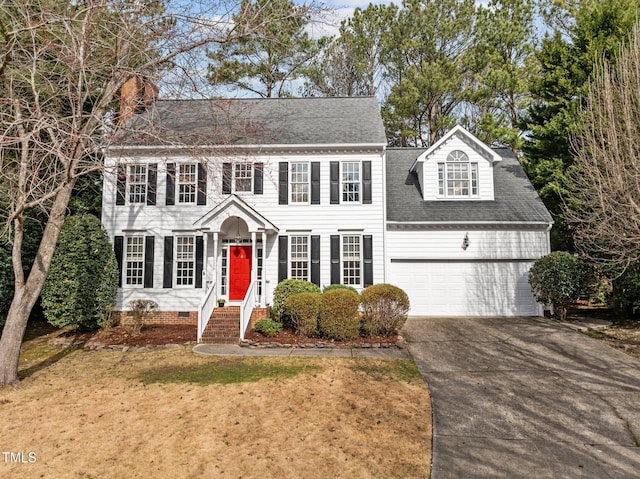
(367, 250)
(283, 183)
(152, 183)
(148, 261)
(366, 182)
(202, 185)
(118, 243)
(121, 186)
(315, 182)
(167, 274)
(334, 178)
(258, 169)
(226, 178)
(315, 260)
(171, 184)
(199, 260)
(335, 259)
(283, 253)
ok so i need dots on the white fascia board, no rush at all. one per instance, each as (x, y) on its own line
(449, 134)
(332, 146)
(515, 224)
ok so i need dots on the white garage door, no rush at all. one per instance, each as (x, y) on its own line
(476, 288)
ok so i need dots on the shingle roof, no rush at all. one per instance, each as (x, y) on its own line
(515, 198)
(253, 121)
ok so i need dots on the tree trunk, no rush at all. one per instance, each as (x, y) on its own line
(26, 296)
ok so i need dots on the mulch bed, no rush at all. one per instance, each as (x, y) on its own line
(288, 336)
(151, 335)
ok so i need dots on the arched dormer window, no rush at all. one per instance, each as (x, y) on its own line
(457, 176)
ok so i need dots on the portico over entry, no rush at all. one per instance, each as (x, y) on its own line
(235, 235)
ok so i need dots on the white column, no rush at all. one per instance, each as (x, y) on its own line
(264, 262)
(254, 261)
(214, 267)
(207, 271)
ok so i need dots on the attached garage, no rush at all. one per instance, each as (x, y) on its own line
(465, 288)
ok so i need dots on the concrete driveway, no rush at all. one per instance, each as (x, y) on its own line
(527, 398)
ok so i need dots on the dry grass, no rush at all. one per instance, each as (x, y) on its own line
(114, 415)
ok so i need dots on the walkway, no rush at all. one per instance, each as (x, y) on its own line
(527, 398)
(235, 350)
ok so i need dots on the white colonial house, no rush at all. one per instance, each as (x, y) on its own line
(208, 199)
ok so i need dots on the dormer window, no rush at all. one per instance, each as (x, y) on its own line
(457, 177)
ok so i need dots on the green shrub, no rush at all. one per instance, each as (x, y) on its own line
(81, 285)
(331, 287)
(626, 292)
(304, 309)
(286, 288)
(268, 327)
(385, 309)
(339, 318)
(140, 311)
(556, 279)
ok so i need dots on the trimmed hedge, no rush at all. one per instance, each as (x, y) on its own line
(80, 288)
(556, 279)
(385, 309)
(304, 309)
(331, 287)
(339, 317)
(286, 288)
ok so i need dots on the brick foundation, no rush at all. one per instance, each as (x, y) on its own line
(258, 314)
(163, 317)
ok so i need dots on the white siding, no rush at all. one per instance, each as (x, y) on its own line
(429, 180)
(483, 244)
(324, 219)
(490, 277)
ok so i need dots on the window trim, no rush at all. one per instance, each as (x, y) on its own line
(177, 260)
(291, 258)
(343, 260)
(343, 182)
(235, 177)
(307, 182)
(126, 269)
(144, 183)
(180, 183)
(472, 174)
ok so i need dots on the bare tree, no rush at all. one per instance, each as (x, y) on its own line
(604, 205)
(62, 66)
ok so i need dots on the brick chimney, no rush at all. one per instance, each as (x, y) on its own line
(136, 94)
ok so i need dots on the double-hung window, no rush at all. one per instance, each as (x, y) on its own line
(299, 258)
(299, 182)
(243, 177)
(350, 182)
(137, 184)
(351, 260)
(457, 177)
(185, 260)
(187, 183)
(134, 261)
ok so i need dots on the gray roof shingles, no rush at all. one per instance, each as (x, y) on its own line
(256, 121)
(515, 198)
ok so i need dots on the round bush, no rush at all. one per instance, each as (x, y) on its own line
(286, 288)
(268, 327)
(385, 309)
(304, 309)
(556, 279)
(339, 317)
(331, 287)
(80, 288)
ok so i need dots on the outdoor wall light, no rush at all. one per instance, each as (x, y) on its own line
(465, 242)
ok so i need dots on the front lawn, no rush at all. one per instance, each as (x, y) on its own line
(170, 413)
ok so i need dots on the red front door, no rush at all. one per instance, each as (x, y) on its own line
(239, 271)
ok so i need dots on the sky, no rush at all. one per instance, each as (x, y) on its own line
(342, 9)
